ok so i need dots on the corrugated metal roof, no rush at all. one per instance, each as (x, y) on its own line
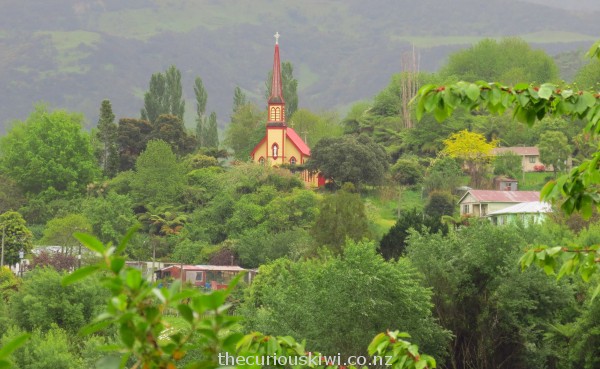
(523, 151)
(525, 208)
(228, 268)
(503, 196)
(298, 142)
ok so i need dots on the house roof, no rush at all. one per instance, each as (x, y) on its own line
(525, 208)
(523, 151)
(503, 196)
(229, 268)
(297, 141)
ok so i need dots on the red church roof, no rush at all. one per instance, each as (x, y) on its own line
(297, 141)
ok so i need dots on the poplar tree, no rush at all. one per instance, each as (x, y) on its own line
(289, 85)
(164, 96)
(239, 99)
(201, 97)
(107, 153)
(211, 138)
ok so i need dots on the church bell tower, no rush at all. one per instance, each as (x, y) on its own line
(276, 103)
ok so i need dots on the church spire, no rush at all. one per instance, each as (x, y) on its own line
(276, 101)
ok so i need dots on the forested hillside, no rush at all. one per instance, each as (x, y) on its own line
(74, 53)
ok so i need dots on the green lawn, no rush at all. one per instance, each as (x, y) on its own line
(382, 208)
(534, 181)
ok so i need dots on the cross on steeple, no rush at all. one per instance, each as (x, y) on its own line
(276, 38)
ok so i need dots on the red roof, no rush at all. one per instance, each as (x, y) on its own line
(503, 196)
(523, 151)
(297, 141)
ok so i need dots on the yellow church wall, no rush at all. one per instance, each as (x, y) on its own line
(275, 136)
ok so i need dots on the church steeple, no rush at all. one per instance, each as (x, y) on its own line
(276, 101)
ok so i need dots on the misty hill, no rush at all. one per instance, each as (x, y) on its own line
(74, 53)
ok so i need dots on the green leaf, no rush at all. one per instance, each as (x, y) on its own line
(127, 335)
(473, 92)
(127, 238)
(109, 362)
(117, 264)
(545, 91)
(13, 344)
(546, 190)
(134, 278)
(186, 312)
(372, 349)
(90, 242)
(596, 292)
(79, 274)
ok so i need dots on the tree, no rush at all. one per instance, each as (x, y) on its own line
(239, 99)
(49, 152)
(164, 96)
(350, 159)
(170, 129)
(290, 88)
(312, 127)
(132, 137)
(444, 174)
(509, 61)
(245, 130)
(59, 232)
(473, 149)
(554, 150)
(108, 155)
(407, 171)
(508, 164)
(159, 178)
(336, 302)
(588, 76)
(15, 236)
(212, 133)
(341, 216)
(110, 216)
(201, 97)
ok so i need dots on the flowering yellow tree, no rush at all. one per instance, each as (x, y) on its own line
(473, 149)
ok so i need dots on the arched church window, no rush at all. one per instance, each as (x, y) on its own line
(292, 161)
(275, 151)
(275, 113)
(261, 161)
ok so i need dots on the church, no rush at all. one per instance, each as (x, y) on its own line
(281, 144)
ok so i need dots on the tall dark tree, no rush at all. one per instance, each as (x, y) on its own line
(132, 137)
(107, 153)
(201, 97)
(15, 236)
(290, 88)
(212, 135)
(239, 99)
(170, 129)
(165, 95)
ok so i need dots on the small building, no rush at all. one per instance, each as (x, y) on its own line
(503, 183)
(213, 277)
(530, 155)
(479, 203)
(528, 213)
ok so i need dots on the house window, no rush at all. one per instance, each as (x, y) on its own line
(275, 149)
(484, 209)
(532, 159)
(466, 209)
(292, 161)
(508, 186)
(261, 161)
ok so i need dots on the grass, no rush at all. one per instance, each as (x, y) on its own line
(382, 207)
(534, 181)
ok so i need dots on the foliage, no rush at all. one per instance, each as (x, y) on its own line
(349, 159)
(110, 216)
(245, 130)
(444, 174)
(159, 177)
(496, 313)
(588, 77)
(259, 245)
(313, 127)
(8, 284)
(201, 97)
(42, 301)
(407, 171)
(132, 136)
(59, 231)
(189, 252)
(290, 88)
(107, 153)
(199, 161)
(509, 61)
(473, 149)
(316, 298)
(554, 150)
(439, 203)
(11, 196)
(239, 99)
(169, 128)
(50, 349)
(164, 95)
(508, 164)
(212, 134)
(341, 216)
(15, 236)
(59, 261)
(49, 152)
